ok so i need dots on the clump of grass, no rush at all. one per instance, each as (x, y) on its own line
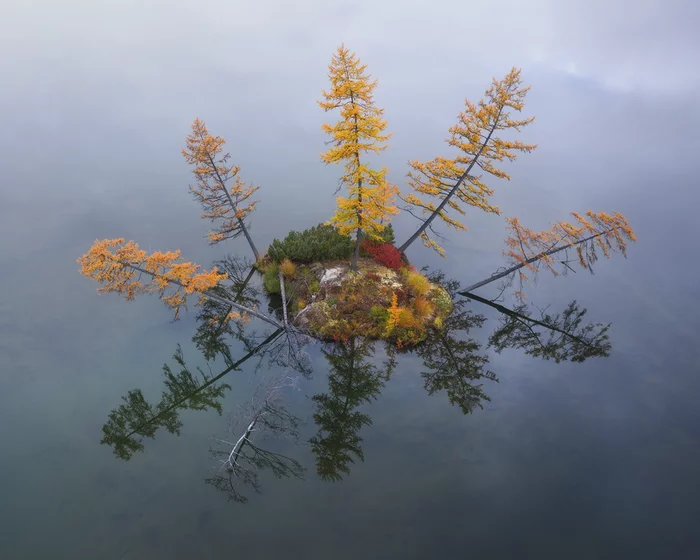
(407, 320)
(271, 280)
(288, 268)
(379, 315)
(313, 286)
(417, 284)
(423, 307)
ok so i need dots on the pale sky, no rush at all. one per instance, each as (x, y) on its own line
(646, 44)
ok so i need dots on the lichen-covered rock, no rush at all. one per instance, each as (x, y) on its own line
(333, 276)
(336, 303)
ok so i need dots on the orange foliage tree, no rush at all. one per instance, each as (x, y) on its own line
(442, 184)
(119, 266)
(218, 188)
(359, 131)
(529, 250)
(394, 313)
(481, 138)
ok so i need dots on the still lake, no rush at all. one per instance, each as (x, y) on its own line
(591, 460)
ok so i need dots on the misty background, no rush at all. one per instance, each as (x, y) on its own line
(97, 98)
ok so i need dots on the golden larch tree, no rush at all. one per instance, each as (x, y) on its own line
(224, 197)
(444, 184)
(358, 132)
(124, 268)
(528, 250)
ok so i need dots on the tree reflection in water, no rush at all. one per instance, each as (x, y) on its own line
(452, 362)
(352, 381)
(264, 416)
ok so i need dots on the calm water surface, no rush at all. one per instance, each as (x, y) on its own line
(592, 460)
(564, 461)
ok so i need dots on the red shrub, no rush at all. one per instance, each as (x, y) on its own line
(382, 253)
(387, 255)
(367, 246)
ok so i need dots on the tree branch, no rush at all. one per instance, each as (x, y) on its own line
(212, 295)
(454, 189)
(537, 257)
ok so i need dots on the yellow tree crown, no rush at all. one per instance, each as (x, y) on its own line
(477, 136)
(529, 250)
(360, 130)
(119, 266)
(224, 197)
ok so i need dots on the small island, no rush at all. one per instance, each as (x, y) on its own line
(382, 297)
(347, 278)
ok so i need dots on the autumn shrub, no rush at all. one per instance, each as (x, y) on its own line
(313, 286)
(383, 253)
(423, 307)
(386, 236)
(367, 246)
(379, 315)
(288, 268)
(407, 320)
(408, 330)
(407, 337)
(417, 284)
(271, 280)
(320, 243)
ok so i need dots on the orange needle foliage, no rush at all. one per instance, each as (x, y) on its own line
(449, 182)
(394, 314)
(227, 204)
(359, 131)
(529, 250)
(119, 267)
(609, 233)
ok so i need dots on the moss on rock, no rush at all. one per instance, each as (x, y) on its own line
(335, 303)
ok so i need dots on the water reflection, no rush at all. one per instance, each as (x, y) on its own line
(352, 381)
(242, 459)
(136, 418)
(452, 362)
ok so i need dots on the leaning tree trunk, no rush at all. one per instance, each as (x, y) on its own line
(453, 190)
(244, 229)
(518, 266)
(213, 296)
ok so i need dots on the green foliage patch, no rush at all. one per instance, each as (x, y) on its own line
(320, 243)
(271, 279)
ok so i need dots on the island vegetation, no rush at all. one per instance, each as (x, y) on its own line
(347, 277)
